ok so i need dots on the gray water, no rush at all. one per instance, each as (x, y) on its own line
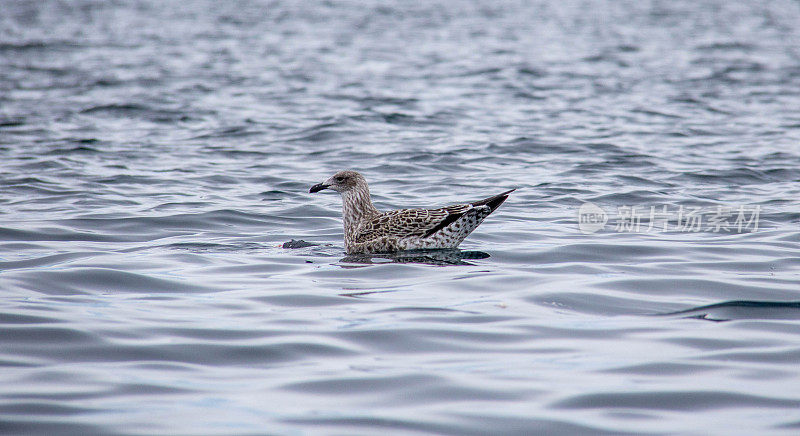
(156, 156)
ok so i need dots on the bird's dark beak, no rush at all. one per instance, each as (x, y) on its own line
(318, 187)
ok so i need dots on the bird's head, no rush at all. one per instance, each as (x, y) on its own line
(341, 182)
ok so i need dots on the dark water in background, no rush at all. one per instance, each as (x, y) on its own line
(155, 156)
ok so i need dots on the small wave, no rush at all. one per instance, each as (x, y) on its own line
(76, 281)
(674, 401)
(743, 309)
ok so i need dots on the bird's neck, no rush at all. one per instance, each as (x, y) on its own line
(356, 206)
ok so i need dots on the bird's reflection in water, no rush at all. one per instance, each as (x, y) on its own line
(427, 257)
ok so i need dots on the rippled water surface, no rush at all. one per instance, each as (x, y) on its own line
(156, 156)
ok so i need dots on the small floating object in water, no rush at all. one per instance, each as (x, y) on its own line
(298, 244)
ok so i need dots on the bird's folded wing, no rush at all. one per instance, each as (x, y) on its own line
(410, 222)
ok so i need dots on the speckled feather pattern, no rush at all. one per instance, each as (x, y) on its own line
(366, 230)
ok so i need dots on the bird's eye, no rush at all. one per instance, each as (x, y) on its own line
(339, 179)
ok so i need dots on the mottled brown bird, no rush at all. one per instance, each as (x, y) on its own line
(367, 230)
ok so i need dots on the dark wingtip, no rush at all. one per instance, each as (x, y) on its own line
(318, 187)
(495, 201)
(508, 192)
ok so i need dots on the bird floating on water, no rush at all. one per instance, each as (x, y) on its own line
(367, 230)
